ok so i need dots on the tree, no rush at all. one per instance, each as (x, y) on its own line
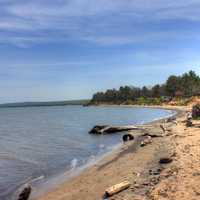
(176, 86)
(145, 92)
(190, 83)
(172, 85)
(156, 91)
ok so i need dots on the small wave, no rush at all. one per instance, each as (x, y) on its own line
(74, 163)
(37, 179)
(102, 146)
(10, 156)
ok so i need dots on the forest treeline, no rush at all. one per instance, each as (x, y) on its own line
(184, 86)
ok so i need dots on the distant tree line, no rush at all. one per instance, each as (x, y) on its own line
(186, 85)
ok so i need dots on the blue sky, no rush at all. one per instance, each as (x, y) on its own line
(69, 49)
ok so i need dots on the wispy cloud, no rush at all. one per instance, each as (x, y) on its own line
(103, 22)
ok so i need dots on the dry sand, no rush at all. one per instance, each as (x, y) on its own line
(149, 180)
(181, 181)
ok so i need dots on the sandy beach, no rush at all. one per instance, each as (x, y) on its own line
(140, 166)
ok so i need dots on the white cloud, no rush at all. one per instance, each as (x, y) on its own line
(105, 22)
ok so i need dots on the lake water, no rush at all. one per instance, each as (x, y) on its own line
(45, 141)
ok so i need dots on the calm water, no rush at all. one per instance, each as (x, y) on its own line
(45, 141)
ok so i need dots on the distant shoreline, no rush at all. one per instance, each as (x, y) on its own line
(46, 103)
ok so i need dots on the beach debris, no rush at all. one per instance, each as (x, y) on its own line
(152, 181)
(171, 119)
(136, 185)
(127, 137)
(105, 129)
(146, 141)
(165, 160)
(189, 123)
(189, 119)
(163, 128)
(142, 144)
(152, 135)
(175, 122)
(138, 174)
(172, 171)
(155, 172)
(117, 188)
(196, 174)
(189, 116)
(25, 193)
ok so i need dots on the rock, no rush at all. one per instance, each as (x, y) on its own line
(127, 137)
(196, 174)
(154, 181)
(172, 171)
(155, 172)
(136, 186)
(189, 123)
(146, 183)
(165, 160)
(142, 144)
(146, 141)
(25, 193)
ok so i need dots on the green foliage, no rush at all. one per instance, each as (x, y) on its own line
(142, 101)
(173, 85)
(196, 111)
(182, 87)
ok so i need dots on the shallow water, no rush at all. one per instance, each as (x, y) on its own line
(45, 141)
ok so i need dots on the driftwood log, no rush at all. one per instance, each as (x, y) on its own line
(116, 188)
(152, 135)
(25, 193)
(106, 129)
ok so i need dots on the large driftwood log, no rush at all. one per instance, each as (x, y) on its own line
(117, 188)
(105, 129)
(25, 193)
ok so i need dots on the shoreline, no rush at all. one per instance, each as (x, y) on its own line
(111, 157)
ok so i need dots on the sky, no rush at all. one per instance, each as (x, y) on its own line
(69, 49)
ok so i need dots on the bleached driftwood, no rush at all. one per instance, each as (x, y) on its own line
(117, 188)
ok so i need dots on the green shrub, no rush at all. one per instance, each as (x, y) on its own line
(196, 111)
(142, 101)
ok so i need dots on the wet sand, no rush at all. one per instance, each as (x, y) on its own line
(138, 165)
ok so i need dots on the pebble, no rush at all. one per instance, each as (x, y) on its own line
(165, 160)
